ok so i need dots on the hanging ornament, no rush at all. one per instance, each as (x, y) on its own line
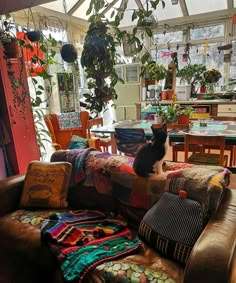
(177, 47)
(197, 50)
(206, 48)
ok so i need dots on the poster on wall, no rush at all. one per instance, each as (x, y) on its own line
(66, 92)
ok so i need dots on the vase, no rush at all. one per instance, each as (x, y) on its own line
(210, 88)
(158, 119)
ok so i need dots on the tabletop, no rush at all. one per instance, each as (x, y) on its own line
(210, 127)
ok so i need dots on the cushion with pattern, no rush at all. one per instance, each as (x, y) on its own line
(172, 226)
(78, 142)
(46, 185)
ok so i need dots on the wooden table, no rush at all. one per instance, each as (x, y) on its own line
(226, 128)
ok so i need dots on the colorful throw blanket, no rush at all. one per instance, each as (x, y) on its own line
(77, 158)
(113, 174)
(82, 240)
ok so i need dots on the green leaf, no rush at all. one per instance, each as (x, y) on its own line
(148, 31)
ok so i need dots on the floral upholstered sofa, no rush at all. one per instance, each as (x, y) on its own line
(106, 228)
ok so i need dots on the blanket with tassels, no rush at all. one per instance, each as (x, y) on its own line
(81, 240)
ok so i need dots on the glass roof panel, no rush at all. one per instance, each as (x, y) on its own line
(170, 11)
(204, 6)
(81, 11)
(58, 5)
(131, 5)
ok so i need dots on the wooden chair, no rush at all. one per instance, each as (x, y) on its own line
(179, 146)
(230, 148)
(61, 138)
(203, 157)
(128, 140)
(105, 141)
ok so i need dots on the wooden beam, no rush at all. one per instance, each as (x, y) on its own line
(8, 6)
(75, 7)
(183, 8)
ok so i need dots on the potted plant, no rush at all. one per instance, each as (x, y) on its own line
(99, 53)
(8, 40)
(153, 71)
(185, 114)
(192, 75)
(159, 116)
(211, 77)
(98, 59)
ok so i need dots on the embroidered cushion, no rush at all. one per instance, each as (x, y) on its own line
(172, 226)
(78, 142)
(46, 185)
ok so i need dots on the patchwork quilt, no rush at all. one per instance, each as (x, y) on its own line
(113, 174)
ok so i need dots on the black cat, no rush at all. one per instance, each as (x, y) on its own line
(149, 158)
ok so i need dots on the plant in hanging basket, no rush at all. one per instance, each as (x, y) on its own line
(34, 35)
(69, 53)
(9, 41)
(98, 59)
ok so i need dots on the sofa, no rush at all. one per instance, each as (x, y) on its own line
(26, 258)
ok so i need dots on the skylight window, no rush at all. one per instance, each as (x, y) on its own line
(205, 6)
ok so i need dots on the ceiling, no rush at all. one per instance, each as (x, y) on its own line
(183, 11)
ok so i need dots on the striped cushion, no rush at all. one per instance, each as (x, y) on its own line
(172, 226)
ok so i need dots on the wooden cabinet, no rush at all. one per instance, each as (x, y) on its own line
(17, 115)
(227, 110)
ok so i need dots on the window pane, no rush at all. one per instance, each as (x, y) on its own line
(169, 37)
(204, 6)
(207, 32)
(201, 54)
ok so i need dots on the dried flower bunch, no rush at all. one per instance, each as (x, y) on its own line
(212, 76)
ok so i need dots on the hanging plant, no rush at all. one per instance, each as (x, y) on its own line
(99, 53)
(69, 53)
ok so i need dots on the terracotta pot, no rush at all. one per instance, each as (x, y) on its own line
(69, 53)
(183, 119)
(12, 49)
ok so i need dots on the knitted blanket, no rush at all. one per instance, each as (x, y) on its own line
(82, 240)
(77, 158)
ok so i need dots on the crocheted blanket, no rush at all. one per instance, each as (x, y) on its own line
(82, 240)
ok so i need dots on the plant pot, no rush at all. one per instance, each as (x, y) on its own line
(12, 49)
(105, 98)
(202, 89)
(183, 119)
(69, 53)
(34, 35)
(158, 119)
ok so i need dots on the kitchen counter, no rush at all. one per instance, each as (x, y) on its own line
(212, 106)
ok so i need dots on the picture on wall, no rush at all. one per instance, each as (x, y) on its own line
(66, 92)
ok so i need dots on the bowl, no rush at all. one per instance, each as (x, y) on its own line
(228, 96)
(208, 97)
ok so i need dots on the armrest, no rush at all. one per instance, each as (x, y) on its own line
(56, 146)
(10, 193)
(213, 258)
(95, 143)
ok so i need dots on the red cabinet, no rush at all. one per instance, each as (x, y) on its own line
(16, 113)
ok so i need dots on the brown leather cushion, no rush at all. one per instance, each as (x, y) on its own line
(46, 185)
